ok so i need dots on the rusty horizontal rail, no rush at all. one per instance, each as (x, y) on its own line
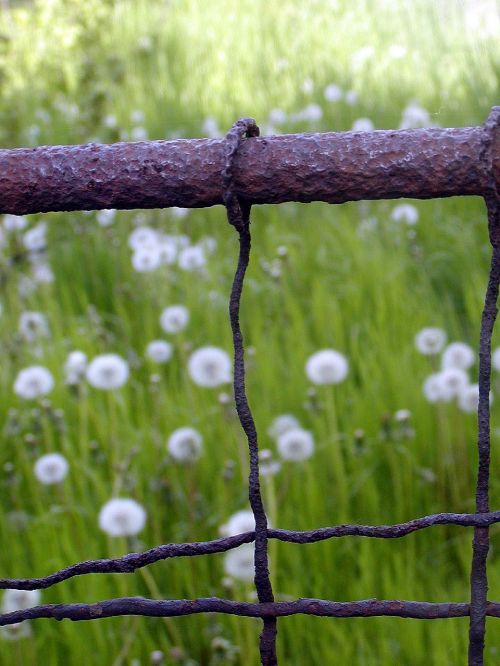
(330, 167)
(133, 561)
(419, 610)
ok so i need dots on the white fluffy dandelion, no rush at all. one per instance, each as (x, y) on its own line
(468, 399)
(14, 222)
(239, 522)
(179, 213)
(75, 366)
(14, 600)
(51, 468)
(33, 326)
(239, 562)
(185, 445)
(333, 93)
(453, 381)
(34, 240)
(495, 359)
(458, 355)
(143, 237)
(327, 367)
(33, 382)
(146, 259)
(405, 213)
(211, 127)
(277, 117)
(430, 341)
(107, 371)
(433, 388)
(167, 250)
(175, 318)
(296, 444)
(281, 424)
(192, 258)
(122, 517)
(106, 217)
(267, 465)
(363, 125)
(414, 116)
(210, 366)
(159, 351)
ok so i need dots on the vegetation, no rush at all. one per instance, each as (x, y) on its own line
(350, 278)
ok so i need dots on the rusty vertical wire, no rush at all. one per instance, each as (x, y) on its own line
(481, 541)
(238, 214)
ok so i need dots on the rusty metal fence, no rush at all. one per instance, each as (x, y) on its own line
(241, 170)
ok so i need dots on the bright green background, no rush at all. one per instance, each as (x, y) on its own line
(64, 66)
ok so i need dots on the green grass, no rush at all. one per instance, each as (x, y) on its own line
(363, 291)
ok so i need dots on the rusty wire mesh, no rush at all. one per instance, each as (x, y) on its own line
(238, 213)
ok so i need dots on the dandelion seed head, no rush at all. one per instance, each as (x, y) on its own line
(107, 372)
(239, 522)
(106, 217)
(142, 237)
(402, 415)
(16, 631)
(14, 222)
(14, 600)
(458, 355)
(468, 398)
(192, 258)
(33, 382)
(146, 259)
(179, 213)
(51, 468)
(75, 367)
(185, 445)
(211, 128)
(139, 133)
(351, 97)
(277, 117)
(327, 367)
(405, 213)
(209, 367)
(159, 351)
(33, 326)
(333, 93)
(433, 388)
(363, 125)
(34, 239)
(430, 341)
(281, 424)
(122, 517)
(495, 359)
(174, 319)
(167, 250)
(414, 116)
(239, 562)
(453, 381)
(296, 444)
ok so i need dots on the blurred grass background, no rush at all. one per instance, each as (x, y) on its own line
(351, 279)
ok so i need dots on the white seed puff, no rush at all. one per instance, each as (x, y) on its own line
(122, 517)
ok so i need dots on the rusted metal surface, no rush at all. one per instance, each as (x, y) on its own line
(481, 541)
(331, 167)
(133, 561)
(419, 610)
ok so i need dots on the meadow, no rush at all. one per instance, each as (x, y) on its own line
(361, 279)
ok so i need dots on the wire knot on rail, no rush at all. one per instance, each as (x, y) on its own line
(238, 210)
